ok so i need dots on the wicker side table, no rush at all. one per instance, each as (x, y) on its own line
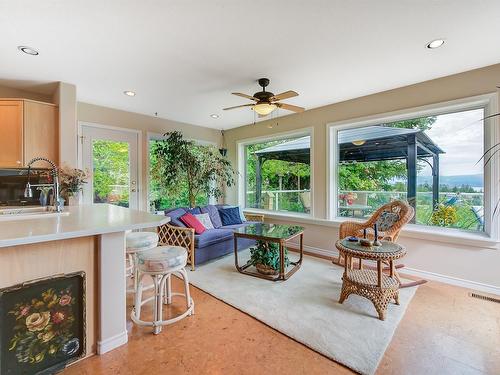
(376, 286)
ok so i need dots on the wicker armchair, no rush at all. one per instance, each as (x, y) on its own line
(184, 237)
(353, 228)
(402, 209)
(254, 217)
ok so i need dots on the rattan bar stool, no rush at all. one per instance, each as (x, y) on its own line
(135, 243)
(160, 264)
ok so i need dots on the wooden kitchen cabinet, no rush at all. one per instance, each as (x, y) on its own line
(41, 131)
(11, 133)
(28, 129)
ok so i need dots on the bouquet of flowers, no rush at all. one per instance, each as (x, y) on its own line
(72, 179)
(44, 327)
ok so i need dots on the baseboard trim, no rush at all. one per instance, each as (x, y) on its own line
(468, 284)
(111, 343)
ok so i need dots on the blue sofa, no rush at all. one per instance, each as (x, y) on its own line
(211, 244)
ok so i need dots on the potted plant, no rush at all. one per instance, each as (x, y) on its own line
(265, 256)
(183, 164)
(72, 180)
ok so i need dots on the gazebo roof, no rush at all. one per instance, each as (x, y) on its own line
(380, 143)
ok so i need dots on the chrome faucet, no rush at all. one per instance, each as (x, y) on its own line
(28, 192)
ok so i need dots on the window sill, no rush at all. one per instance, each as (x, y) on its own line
(450, 236)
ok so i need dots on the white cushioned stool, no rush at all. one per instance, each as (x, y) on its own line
(136, 242)
(160, 263)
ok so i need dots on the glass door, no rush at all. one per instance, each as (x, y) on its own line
(112, 158)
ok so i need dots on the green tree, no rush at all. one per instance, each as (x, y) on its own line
(181, 164)
(110, 169)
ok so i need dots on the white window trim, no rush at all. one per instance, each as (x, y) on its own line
(491, 174)
(241, 163)
(150, 136)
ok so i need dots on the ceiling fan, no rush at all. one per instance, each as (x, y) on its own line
(266, 102)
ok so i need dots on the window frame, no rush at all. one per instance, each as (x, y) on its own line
(152, 136)
(241, 163)
(491, 136)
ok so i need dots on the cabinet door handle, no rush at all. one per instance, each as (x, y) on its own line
(18, 162)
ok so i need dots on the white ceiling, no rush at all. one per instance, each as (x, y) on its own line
(185, 57)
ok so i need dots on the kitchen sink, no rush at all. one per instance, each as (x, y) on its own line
(19, 213)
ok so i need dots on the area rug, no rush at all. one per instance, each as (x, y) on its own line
(306, 308)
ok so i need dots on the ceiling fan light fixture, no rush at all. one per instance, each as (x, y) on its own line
(359, 142)
(264, 109)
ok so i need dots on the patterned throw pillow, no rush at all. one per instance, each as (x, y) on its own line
(387, 220)
(205, 220)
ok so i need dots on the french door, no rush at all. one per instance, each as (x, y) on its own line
(111, 156)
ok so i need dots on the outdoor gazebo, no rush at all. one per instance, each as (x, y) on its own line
(371, 143)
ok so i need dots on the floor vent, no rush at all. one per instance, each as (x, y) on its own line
(484, 298)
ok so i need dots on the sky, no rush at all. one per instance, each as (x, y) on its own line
(460, 136)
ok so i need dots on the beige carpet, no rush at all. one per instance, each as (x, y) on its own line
(305, 308)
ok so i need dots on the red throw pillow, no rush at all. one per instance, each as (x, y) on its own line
(193, 222)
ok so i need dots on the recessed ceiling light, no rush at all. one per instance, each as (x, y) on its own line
(214, 115)
(28, 50)
(436, 43)
(129, 93)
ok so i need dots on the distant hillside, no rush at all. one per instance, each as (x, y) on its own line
(475, 180)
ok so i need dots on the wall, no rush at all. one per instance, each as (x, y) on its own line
(9, 92)
(65, 98)
(470, 263)
(128, 120)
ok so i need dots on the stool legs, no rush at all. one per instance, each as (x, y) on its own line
(162, 295)
(138, 296)
(168, 291)
(189, 301)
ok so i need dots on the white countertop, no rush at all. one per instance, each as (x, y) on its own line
(79, 221)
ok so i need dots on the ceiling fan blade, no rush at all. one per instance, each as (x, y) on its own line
(290, 107)
(238, 106)
(244, 96)
(283, 95)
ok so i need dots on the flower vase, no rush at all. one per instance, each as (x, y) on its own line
(74, 200)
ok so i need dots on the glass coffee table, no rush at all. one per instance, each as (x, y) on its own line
(272, 233)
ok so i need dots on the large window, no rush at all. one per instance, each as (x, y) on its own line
(278, 174)
(433, 162)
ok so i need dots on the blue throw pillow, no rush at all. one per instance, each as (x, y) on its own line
(230, 216)
(242, 215)
(174, 215)
(194, 211)
(213, 212)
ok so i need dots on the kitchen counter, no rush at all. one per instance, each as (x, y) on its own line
(89, 239)
(76, 221)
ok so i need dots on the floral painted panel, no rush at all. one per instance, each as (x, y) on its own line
(42, 325)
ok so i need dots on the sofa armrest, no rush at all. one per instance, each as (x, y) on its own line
(254, 217)
(177, 236)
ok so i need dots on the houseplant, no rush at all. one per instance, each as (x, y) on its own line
(182, 163)
(265, 256)
(72, 180)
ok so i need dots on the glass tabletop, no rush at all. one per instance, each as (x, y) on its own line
(387, 246)
(277, 231)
